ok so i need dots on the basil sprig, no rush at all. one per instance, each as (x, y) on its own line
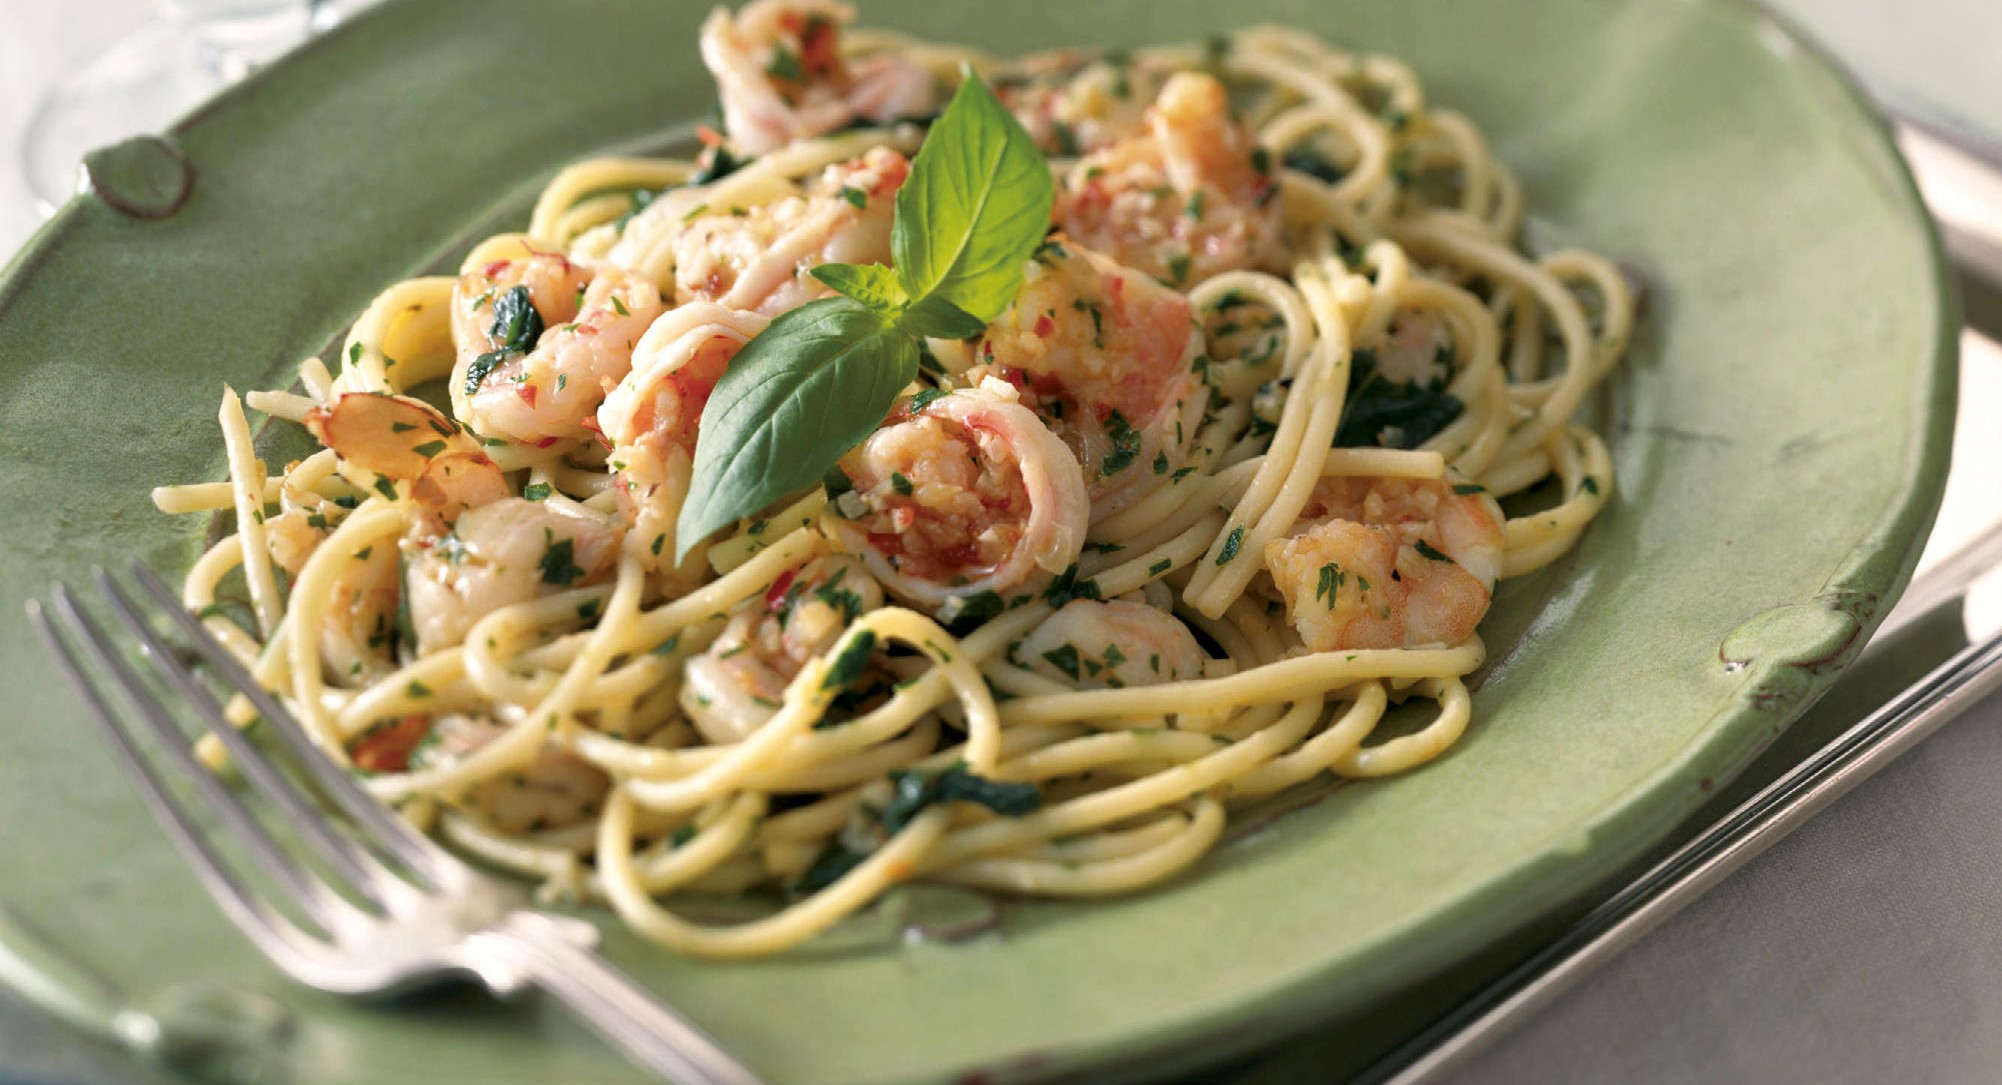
(821, 378)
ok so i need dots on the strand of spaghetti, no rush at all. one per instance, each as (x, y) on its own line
(1365, 181)
(313, 377)
(1096, 751)
(1097, 877)
(1581, 461)
(439, 675)
(1292, 465)
(812, 690)
(1470, 154)
(1109, 843)
(247, 480)
(1616, 298)
(206, 496)
(1287, 679)
(572, 183)
(365, 363)
(290, 407)
(1125, 800)
(1429, 232)
(1407, 752)
(1277, 294)
(1320, 753)
(521, 741)
(888, 865)
(492, 642)
(750, 578)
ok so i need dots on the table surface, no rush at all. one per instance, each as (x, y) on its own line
(1860, 949)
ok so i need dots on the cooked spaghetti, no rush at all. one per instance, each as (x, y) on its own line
(1214, 490)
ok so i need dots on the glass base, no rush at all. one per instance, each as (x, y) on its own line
(144, 83)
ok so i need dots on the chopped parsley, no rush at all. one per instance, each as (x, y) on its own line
(1330, 583)
(854, 658)
(1064, 658)
(559, 565)
(912, 792)
(1392, 414)
(1309, 161)
(1125, 445)
(785, 65)
(828, 867)
(843, 600)
(1230, 544)
(537, 491)
(1066, 587)
(1428, 551)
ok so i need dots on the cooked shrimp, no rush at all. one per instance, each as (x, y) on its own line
(651, 417)
(1073, 103)
(970, 493)
(1418, 348)
(1107, 358)
(500, 554)
(781, 76)
(558, 788)
(1116, 643)
(358, 639)
(384, 440)
(1389, 563)
(736, 685)
(591, 317)
(293, 535)
(1187, 199)
(760, 260)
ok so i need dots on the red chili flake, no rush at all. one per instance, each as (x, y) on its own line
(545, 442)
(493, 270)
(816, 47)
(1045, 327)
(527, 392)
(387, 749)
(775, 596)
(708, 136)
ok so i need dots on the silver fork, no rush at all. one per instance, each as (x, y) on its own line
(385, 910)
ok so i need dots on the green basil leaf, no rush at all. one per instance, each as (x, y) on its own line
(871, 284)
(808, 388)
(936, 318)
(517, 323)
(976, 204)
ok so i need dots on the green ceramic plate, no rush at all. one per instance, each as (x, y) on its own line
(1781, 433)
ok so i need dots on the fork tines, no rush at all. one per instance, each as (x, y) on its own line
(377, 858)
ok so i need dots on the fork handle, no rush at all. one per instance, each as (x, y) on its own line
(624, 1014)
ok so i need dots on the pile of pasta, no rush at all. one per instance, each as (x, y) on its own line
(485, 619)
